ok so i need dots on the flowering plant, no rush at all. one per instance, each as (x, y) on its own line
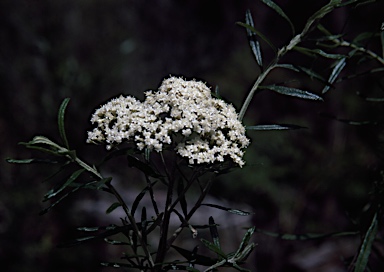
(181, 137)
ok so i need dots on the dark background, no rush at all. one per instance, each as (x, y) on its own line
(316, 180)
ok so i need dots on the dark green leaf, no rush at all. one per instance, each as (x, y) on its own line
(351, 122)
(258, 33)
(214, 233)
(112, 207)
(335, 73)
(115, 242)
(140, 196)
(274, 127)
(144, 224)
(27, 161)
(276, 8)
(293, 92)
(155, 223)
(307, 236)
(211, 246)
(287, 66)
(58, 201)
(253, 42)
(118, 265)
(107, 232)
(192, 256)
(60, 119)
(96, 184)
(313, 52)
(71, 179)
(234, 211)
(306, 71)
(181, 196)
(244, 243)
(366, 246)
(320, 14)
(142, 166)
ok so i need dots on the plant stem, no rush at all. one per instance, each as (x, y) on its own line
(312, 21)
(126, 209)
(191, 212)
(162, 247)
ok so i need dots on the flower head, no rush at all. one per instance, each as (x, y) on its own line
(208, 127)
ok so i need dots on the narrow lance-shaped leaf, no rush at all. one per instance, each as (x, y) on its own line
(366, 247)
(27, 161)
(60, 119)
(139, 197)
(292, 92)
(274, 127)
(320, 14)
(112, 207)
(335, 73)
(276, 8)
(189, 255)
(307, 236)
(71, 179)
(382, 39)
(306, 71)
(181, 195)
(258, 33)
(253, 42)
(312, 52)
(211, 246)
(244, 243)
(142, 166)
(214, 233)
(234, 211)
(58, 201)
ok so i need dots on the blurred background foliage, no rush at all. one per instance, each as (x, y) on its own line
(315, 180)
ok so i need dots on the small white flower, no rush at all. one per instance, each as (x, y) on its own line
(209, 127)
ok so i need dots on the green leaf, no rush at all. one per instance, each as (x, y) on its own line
(211, 246)
(155, 223)
(234, 211)
(116, 242)
(274, 127)
(140, 196)
(320, 14)
(244, 243)
(307, 236)
(112, 207)
(107, 232)
(351, 122)
(71, 179)
(60, 119)
(366, 246)
(258, 33)
(306, 71)
(313, 52)
(192, 256)
(27, 161)
(44, 141)
(382, 39)
(339, 66)
(276, 8)
(292, 92)
(181, 196)
(58, 201)
(214, 233)
(142, 166)
(253, 42)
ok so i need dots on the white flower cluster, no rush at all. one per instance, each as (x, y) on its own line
(208, 128)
